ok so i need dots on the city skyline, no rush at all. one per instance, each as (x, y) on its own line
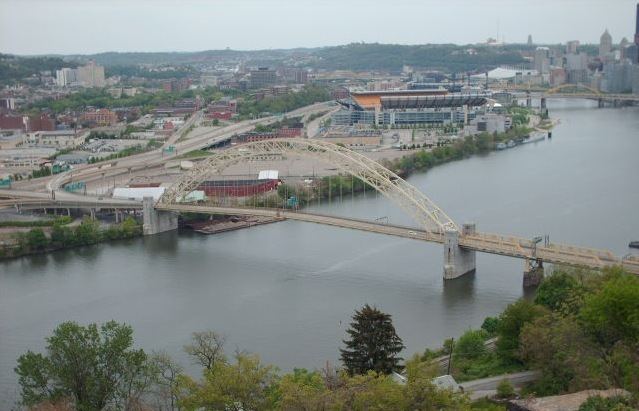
(197, 25)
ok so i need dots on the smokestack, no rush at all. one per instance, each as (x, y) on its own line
(637, 27)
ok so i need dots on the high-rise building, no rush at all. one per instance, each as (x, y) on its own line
(90, 75)
(571, 46)
(530, 42)
(605, 44)
(618, 77)
(65, 77)
(637, 27)
(622, 47)
(262, 77)
(542, 60)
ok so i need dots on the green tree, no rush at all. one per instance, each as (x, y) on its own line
(88, 232)
(93, 366)
(245, 385)
(597, 403)
(470, 345)
(166, 381)
(303, 390)
(556, 290)
(611, 314)
(36, 239)
(421, 394)
(206, 348)
(511, 322)
(490, 325)
(373, 344)
(505, 389)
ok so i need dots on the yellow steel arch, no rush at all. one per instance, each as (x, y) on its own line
(567, 86)
(389, 184)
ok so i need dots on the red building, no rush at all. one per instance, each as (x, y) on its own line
(286, 132)
(237, 188)
(220, 115)
(11, 122)
(100, 117)
(174, 86)
(28, 124)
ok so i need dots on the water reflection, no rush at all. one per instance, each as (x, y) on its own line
(460, 289)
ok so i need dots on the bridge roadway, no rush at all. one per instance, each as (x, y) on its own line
(509, 246)
(488, 243)
(540, 93)
(589, 96)
(26, 200)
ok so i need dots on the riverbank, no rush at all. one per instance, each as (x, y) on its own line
(60, 234)
(419, 160)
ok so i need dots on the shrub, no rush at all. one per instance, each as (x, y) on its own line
(505, 389)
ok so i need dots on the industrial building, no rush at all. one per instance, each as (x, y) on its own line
(407, 107)
(262, 77)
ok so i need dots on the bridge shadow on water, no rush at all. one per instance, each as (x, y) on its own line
(165, 244)
(460, 289)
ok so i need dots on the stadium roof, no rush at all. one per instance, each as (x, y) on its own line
(372, 99)
(457, 100)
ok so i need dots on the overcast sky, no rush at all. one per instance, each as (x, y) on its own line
(91, 26)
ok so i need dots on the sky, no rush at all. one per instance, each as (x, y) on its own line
(92, 26)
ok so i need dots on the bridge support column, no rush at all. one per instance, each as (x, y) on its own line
(600, 103)
(155, 221)
(457, 261)
(543, 103)
(533, 272)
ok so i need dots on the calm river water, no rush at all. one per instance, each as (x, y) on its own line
(287, 290)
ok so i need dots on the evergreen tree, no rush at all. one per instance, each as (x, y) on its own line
(373, 343)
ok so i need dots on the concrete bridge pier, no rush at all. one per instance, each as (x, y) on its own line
(600, 103)
(458, 261)
(156, 222)
(533, 272)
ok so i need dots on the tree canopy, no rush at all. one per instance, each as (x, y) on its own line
(93, 366)
(373, 344)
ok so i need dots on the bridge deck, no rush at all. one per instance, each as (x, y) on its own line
(488, 243)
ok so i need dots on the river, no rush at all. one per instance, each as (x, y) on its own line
(287, 290)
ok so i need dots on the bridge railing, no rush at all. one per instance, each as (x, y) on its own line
(525, 246)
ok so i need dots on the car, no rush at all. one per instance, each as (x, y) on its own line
(412, 233)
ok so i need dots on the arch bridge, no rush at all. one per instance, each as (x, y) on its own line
(578, 90)
(432, 223)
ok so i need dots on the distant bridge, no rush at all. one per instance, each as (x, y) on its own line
(570, 91)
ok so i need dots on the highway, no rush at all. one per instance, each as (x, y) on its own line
(155, 158)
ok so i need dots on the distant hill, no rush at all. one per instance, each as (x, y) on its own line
(392, 57)
(356, 56)
(15, 68)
